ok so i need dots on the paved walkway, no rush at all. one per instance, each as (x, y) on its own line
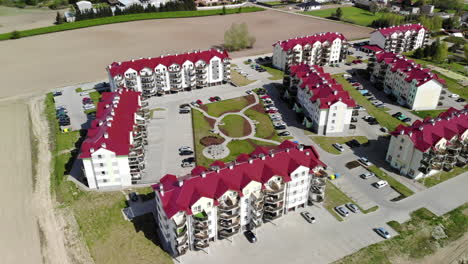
(227, 139)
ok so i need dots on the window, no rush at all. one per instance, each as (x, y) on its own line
(104, 180)
(99, 156)
(101, 164)
(333, 121)
(400, 147)
(103, 173)
(334, 114)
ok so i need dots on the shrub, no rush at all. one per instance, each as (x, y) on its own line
(15, 35)
(238, 37)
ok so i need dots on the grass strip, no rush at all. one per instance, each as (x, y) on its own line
(395, 184)
(442, 176)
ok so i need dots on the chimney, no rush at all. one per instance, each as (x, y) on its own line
(181, 182)
(262, 156)
(161, 189)
(203, 174)
(103, 145)
(421, 128)
(272, 154)
(250, 161)
(91, 150)
(109, 124)
(231, 166)
(100, 122)
(300, 147)
(106, 135)
(287, 150)
(307, 153)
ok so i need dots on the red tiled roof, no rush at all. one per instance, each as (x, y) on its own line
(320, 37)
(425, 134)
(117, 68)
(324, 88)
(401, 28)
(408, 67)
(115, 118)
(374, 48)
(214, 184)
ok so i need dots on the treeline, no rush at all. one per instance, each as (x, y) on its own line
(437, 52)
(185, 5)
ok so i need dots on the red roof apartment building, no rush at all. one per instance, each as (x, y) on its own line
(400, 38)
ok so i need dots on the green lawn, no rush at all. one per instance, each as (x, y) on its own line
(453, 86)
(234, 126)
(326, 142)
(232, 105)
(442, 176)
(335, 197)
(239, 79)
(428, 113)
(384, 119)
(414, 241)
(350, 14)
(274, 3)
(126, 18)
(201, 128)
(275, 73)
(457, 67)
(396, 185)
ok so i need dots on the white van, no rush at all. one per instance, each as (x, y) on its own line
(380, 184)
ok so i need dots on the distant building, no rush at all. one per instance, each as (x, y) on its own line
(429, 146)
(309, 6)
(327, 108)
(400, 38)
(413, 86)
(171, 73)
(84, 5)
(113, 152)
(320, 49)
(222, 201)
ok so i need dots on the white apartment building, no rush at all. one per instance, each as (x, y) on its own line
(429, 146)
(321, 49)
(219, 202)
(327, 108)
(413, 86)
(400, 38)
(113, 151)
(171, 73)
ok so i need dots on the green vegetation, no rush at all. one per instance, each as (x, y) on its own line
(419, 237)
(234, 126)
(107, 235)
(455, 40)
(335, 197)
(274, 3)
(264, 127)
(442, 176)
(453, 86)
(237, 37)
(275, 73)
(358, 16)
(123, 18)
(79, 90)
(326, 142)
(201, 128)
(382, 117)
(428, 113)
(395, 184)
(239, 79)
(217, 109)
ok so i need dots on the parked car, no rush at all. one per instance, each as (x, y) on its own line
(367, 175)
(133, 196)
(352, 207)
(199, 102)
(184, 110)
(187, 164)
(185, 152)
(212, 99)
(250, 236)
(280, 123)
(249, 92)
(185, 148)
(353, 119)
(357, 61)
(57, 93)
(309, 218)
(401, 117)
(280, 127)
(454, 95)
(460, 100)
(384, 129)
(276, 119)
(338, 146)
(86, 100)
(406, 120)
(275, 116)
(189, 160)
(284, 134)
(271, 111)
(382, 232)
(380, 184)
(348, 64)
(184, 105)
(373, 122)
(271, 108)
(342, 211)
(351, 126)
(365, 161)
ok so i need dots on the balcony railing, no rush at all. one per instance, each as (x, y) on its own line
(229, 216)
(200, 226)
(272, 216)
(229, 232)
(201, 235)
(180, 233)
(200, 217)
(201, 244)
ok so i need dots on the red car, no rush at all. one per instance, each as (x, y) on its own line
(86, 100)
(199, 102)
(212, 99)
(357, 61)
(356, 84)
(272, 111)
(265, 97)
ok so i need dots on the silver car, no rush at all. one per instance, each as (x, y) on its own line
(352, 207)
(367, 175)
(342, 211)
(308, 217)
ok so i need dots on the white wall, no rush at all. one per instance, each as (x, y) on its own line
(427, 96)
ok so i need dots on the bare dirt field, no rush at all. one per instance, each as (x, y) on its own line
(21, 19)
(40, 63)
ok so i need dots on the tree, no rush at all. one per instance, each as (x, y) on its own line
(224, 10)
(418, 53)
(59, 19)
(338, 13)
(451, 22)
(15, 35)
(237, 37)
(454, 48)
(373, 7)
(465, 51)
(441, 53)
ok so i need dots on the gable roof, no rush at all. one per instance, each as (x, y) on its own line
(400, 29)
(115, 118)
(325, 90)
(311, 39)
(235, 176)
(425, 134)
(412, 70)
(119, 68)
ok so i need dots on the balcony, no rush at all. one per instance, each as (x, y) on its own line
(257, 205)
(182, 222)
(201, 226)
(273, 208)
(182, 249)
(200, 217)
(229, 215)
(201, 244)
(275, 188)
(230, 223)
(201, 235)
(176, 75)
(229, 232)
(147, 79)
(181, 232)
(135, 176)
(272, 216)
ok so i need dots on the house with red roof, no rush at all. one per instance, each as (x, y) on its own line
(171, 73)
(319, 49)
(400, 38)
(219, 202)
(411, 85)
(430, 146)
(113, 151)
(327, 108)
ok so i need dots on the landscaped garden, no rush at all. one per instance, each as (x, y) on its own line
(235, 126)
(228, 106)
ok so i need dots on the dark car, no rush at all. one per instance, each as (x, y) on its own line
(57, 93)
(406, 119)
(351, 126)
(184, 105)
(185, 152)
(189, 160)
(184, 110)
(250, 236)
(280, 127)
(374, 122)
(350, 144)
(397, 114)
(133, 196)
(460, 100)
(284, 134)
(353, 119)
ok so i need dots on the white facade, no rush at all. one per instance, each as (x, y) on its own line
(171, 73)
(318, 49)
(105, 169)
(400, 38)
